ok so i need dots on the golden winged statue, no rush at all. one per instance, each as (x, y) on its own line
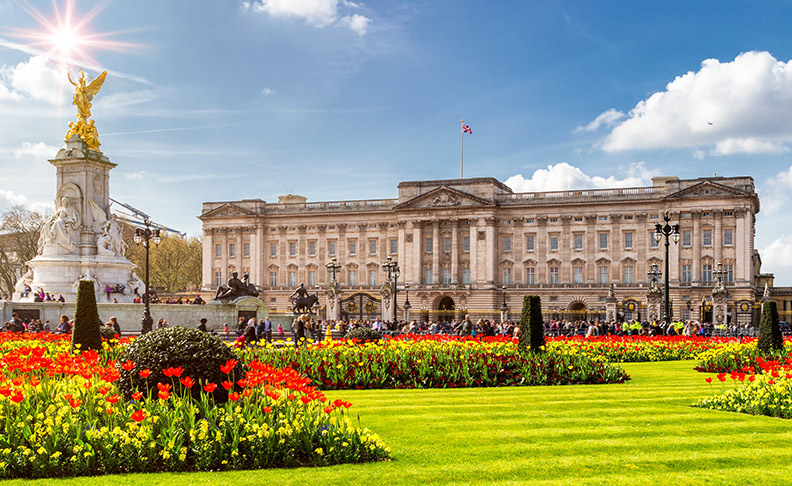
(83, 95)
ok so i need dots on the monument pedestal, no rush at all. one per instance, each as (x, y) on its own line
(82, 239)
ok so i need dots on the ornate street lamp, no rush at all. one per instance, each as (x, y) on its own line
(391, 266)
(666, 230)
(332, 269)
(504, 307)
(407, 302)
(654, 274)
(145, 236)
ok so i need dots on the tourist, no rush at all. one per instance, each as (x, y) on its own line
(16, 324)
(466, 327)
(64, 326)
(225, 329)
(161, 323)
(298, 328)
(240, 329)
(202, 326)
(113, 322)
(198, 300)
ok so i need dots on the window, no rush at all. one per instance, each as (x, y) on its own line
(603, 218)
(529, 243)
(292, 278)
(352, 278)
(507, 276)
(577, 275)
(218, 250)
(292, 248)
(311, 248)
(446, 276)
(352, 247)
(652, 242)
(372, 247)
(554, 242)
(466, 244)
(577, 241)
(232, 250)
(507, 243)
(686, 273)
(628, 273)
(628, 217)
(446, 244)
(628, 240)
(429, 244)
(331, 247)
(273, 249)
(312, 278)
(530, 275)
(603, 241)
(706, 272)
(706, 237)
(372, 281)
(687, 238)
(729, 275)
(246, 249)
(428, 277)
(465, 276)
(728, 237)
(394, 246)
(602, 274)
(273, 279)
(553, 275)
(218, 279)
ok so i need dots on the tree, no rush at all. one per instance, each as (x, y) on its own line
(86, 331)
(770, 338)
(19, 233)
(531, 325)
(175, 264)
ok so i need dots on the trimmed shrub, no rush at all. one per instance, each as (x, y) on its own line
(198, 353)
(770, 338)
(86, 331)
(364, 334)
(531, 327)
(107, 333)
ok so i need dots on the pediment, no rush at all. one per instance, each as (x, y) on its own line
(444, 197)
(707, 189)
(227, 210)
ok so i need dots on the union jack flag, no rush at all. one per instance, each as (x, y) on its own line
(466, 129)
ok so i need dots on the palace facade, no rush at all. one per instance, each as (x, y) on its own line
(475, 246)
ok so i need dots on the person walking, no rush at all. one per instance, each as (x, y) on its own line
(299, 330)
(466, 328)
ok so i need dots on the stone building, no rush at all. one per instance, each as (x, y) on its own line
(471, 245)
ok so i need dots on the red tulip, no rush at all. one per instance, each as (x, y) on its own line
(187, 381)
(75, 403)
(709, 380)
(210, 387)
(145, 373)
(128, 365)
(233, 397)
(227, 384)
(137, 395)
(113, 399)
(17, 396)
(138, 416)
(164, 395)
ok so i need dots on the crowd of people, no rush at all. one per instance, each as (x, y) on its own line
(65, 325)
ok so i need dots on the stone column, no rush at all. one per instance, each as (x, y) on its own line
(302, 252)
(717, 237)
(454, 252)
(540, 243)
(404, 258)
(436, 250)
(257, 252)
(224, 255)
(283, 251)
(207, 275)
(696, 241)
(518, 250)
(239, 251)
(565, 250)
(491, 253)
(641, 245)
(591, 246)
(674, 258)
(741, 267)
(615, 247)
(417, 253)
(475, 276)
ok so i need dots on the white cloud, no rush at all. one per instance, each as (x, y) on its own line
(740, 106)
(777, 254)
(563, 176)
(11, 198)
(37, 78)
(357, 23)
(319, 13)
(699, 154)
(606, 118)
(267, 91)
(774, 192)
(39, 151)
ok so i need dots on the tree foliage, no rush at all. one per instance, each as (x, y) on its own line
(86, 331)
(174, 264)
(770, 338)
(19, 233)
(531, 325)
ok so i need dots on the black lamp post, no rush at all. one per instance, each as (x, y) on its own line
(391, 266)
(666, 230)
(332, 269)
(654, 273)
(406, 301)
(504, 307)
(145, 236)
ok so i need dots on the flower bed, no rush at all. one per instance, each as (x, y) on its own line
(628, 349)
(736, 356)
(763, 388)
(436, 362)
(62, 415)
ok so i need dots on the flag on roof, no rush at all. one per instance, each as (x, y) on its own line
(466, 129)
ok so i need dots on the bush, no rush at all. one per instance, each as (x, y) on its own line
(199, 354)
(364, 334)
(531, 327)
(86, 332)
(770, 338)
(108, 333)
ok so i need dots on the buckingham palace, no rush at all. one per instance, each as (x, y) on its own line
(474, 246)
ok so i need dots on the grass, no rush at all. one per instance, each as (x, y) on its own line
(642, 432)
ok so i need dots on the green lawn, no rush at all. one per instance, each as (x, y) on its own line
(642, 432)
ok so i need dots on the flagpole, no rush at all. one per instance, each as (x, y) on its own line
(462, 152)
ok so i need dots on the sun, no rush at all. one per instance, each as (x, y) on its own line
(66, 37)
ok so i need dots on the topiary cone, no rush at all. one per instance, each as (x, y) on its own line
(770, 338)
(86, 332)
(531, 326)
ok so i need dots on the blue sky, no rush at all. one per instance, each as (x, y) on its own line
(333, 99)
